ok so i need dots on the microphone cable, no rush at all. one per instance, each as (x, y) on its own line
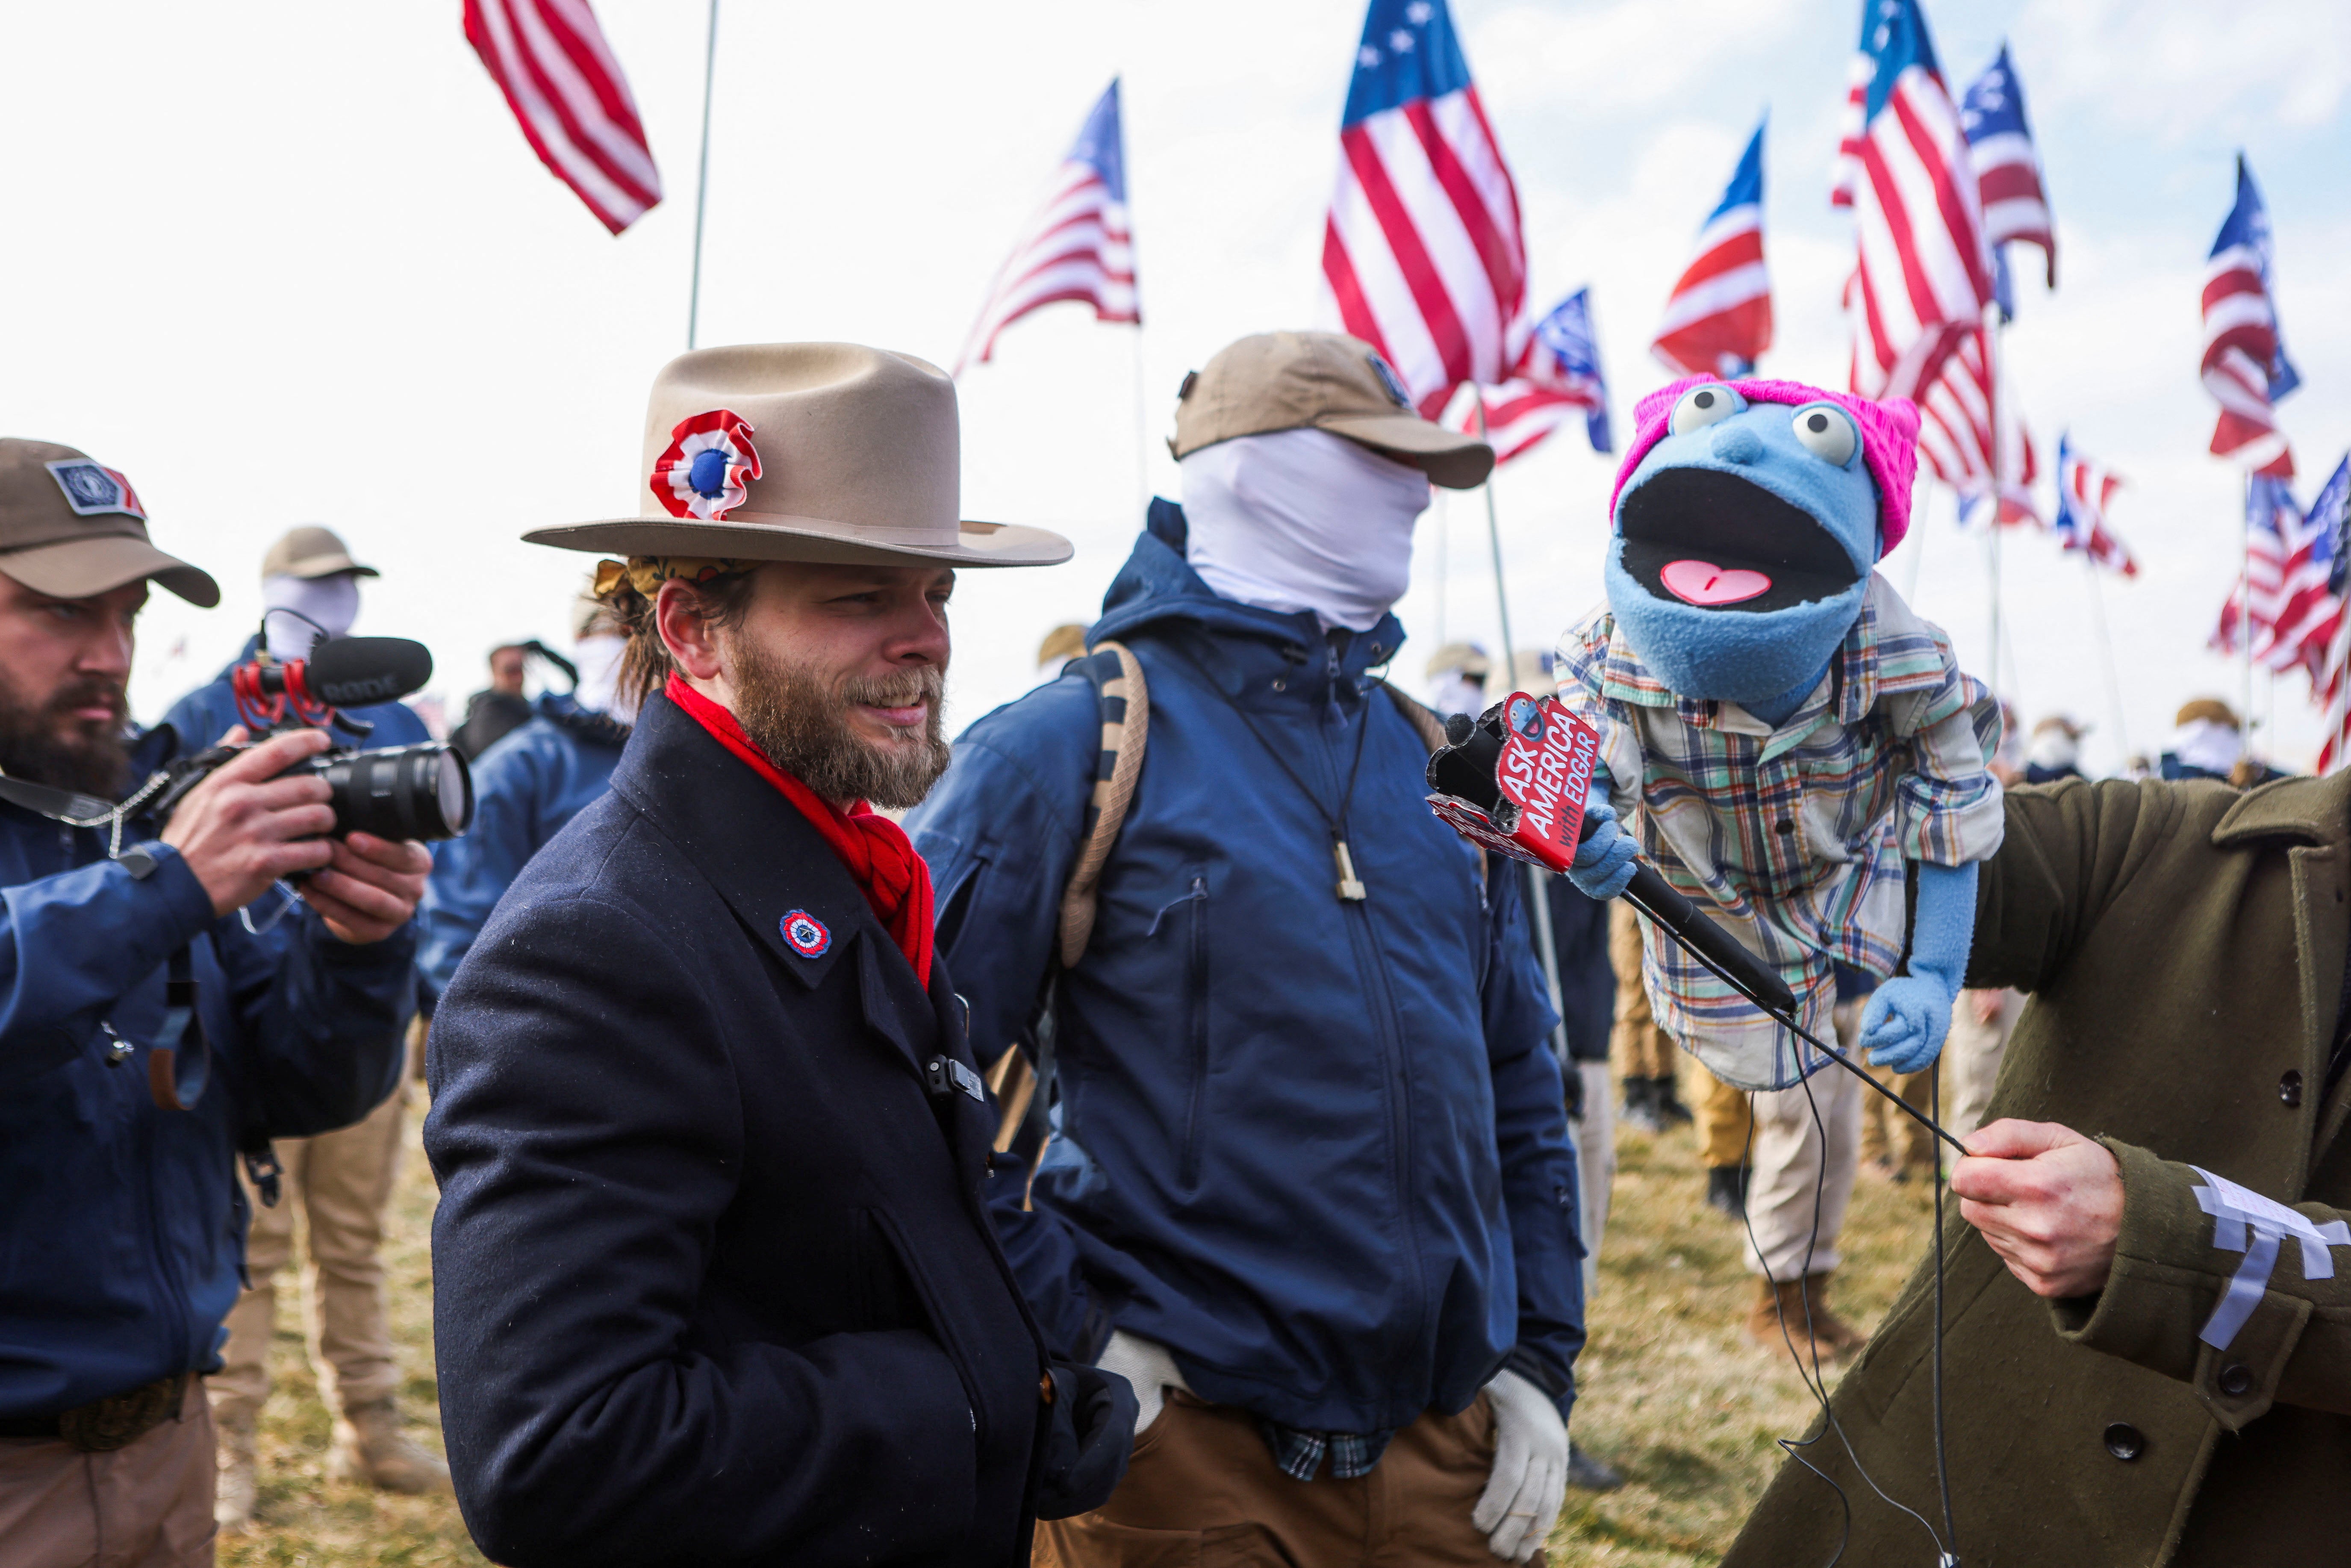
(1814, 1383)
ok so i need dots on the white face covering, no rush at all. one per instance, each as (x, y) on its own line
(2052, 747)
(599, 658)
(2208, 744)
(1304, 519)
(333, 603)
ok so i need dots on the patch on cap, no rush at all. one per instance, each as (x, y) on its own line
(805, 934)
(707, 469)
(1390, 380)
(93, 489)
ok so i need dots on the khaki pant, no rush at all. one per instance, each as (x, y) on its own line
(1725, 1125)
(1889, 1137)
(146, 1505)
(1807, 1148)
(1638, 1047)
(1971, 1058)
(1203, 1488)
(342, 1183)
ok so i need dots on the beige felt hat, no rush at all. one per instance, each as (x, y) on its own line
(816, 451)
(72, 527)
(1325, 381)
(1466, 657)
(311, 551)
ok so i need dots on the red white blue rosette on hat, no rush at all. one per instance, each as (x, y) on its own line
(708, 467)
(805, 933)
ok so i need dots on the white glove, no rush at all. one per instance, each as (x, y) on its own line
(1148, 1366)
(1521, 1502)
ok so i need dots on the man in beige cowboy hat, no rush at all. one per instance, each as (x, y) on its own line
(716, 1280)
(121, 1112)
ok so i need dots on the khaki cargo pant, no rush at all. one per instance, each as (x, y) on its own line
(342, 1183)
(1807, 1149)
(1203, 1488)
(1636, 1046)
(146, 1505)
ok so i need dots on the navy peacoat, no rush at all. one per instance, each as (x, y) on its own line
(715, 1279)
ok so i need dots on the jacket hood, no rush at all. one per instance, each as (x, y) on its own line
(1157, 588)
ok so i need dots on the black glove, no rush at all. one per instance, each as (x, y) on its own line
(1090, 1431)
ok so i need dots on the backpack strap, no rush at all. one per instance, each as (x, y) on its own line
(1024, 1090)
(1423, 719)
(1125, 727)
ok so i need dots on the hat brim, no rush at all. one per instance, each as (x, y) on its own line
(1449, 457)
(813, 540)
(94, 564)
(311, 568)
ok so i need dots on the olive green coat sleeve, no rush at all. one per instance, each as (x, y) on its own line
(2075, 857)
(2168, 1276)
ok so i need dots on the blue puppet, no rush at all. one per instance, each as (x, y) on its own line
(1787, 741)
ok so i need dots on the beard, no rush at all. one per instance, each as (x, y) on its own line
(46, 745)
(801, 719)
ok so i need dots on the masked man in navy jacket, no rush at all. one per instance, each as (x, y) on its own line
(1311, 1189)
(716, 1278)
(121, 1108)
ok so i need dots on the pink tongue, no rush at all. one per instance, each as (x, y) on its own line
(1703, 582)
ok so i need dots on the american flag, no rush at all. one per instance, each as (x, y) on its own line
(2008, 167)
(1558, 375)
(568, 94)
(1719, 316)
(2331, 512)
(1079, 246)
(2285, 597)
(2245, 367)
(2084, 488)
(1423, 255)
(1923, 275)
(1956, 415)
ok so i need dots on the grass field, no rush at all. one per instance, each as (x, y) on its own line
(1672, 1393)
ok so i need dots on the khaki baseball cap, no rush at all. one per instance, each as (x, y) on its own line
(1466, 657)
(311, 551)
(73, 527)
(1325, 381)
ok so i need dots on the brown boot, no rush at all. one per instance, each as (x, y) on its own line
(1796, 1312)
(370, 1448)
(235, 1489)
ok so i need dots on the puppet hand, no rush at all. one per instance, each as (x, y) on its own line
(1604, 861)
(1522, 1499)
(1904, 1023)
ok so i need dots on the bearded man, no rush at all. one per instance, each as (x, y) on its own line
(122, 1108)
(715, 1279)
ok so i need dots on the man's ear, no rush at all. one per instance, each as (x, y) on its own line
(692, 640)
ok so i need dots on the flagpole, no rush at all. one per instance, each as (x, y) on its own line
(1538, 895)
(1991, 334)
(1142, 423)
(702, 182)
(2245, 612)
(2106, 651)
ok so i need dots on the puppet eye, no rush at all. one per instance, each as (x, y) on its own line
(1702, 406)
(1826, 434)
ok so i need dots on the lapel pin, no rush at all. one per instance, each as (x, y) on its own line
(805, 933)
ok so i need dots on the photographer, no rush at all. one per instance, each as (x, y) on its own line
(122, 1109)
(343, 1181)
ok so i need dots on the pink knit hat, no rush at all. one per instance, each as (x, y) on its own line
(1889, 439)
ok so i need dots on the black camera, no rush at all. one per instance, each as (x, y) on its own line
(421, 791)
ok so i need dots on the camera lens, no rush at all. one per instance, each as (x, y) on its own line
(422, 791)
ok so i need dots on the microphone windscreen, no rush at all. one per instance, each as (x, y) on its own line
(358, 671)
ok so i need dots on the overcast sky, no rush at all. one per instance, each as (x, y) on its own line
(292, 262)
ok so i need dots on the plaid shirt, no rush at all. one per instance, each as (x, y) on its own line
(1794, 838)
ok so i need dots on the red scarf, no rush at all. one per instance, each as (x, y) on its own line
(895, 880)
